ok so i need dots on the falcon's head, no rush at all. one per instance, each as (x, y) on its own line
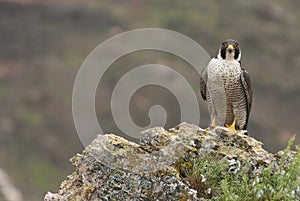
(230, 50)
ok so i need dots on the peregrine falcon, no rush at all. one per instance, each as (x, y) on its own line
(226, 86)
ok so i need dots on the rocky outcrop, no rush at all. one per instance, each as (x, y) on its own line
(112, 168)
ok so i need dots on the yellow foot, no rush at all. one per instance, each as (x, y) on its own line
(212, 124)
(232, 126)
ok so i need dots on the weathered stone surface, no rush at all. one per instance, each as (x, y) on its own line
(112, 168)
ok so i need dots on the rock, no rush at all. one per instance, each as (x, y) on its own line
(112, 168)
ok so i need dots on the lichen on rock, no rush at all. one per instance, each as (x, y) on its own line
(113, 168)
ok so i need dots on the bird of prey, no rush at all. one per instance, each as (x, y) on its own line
(226, 86)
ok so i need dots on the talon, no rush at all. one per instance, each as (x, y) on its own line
(213, 123)
(232, 126)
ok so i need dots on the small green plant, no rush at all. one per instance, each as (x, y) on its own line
(206, 174)
(214, 178)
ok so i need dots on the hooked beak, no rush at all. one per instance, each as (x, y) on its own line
(230, 48)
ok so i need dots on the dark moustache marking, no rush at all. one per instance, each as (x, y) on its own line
(223, 51)
(237, 52)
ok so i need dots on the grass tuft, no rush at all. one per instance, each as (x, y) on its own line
(218, 178)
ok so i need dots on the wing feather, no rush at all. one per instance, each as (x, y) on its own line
(247, 87)
(203, 81)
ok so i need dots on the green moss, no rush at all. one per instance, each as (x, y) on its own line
(88, 191)
(148, 192)
(184, 198)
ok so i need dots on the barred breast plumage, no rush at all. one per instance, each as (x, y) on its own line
(227, 88)
(225, 95)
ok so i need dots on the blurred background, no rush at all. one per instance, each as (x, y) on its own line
(43, 44)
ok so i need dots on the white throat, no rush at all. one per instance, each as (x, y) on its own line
(230, 56)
